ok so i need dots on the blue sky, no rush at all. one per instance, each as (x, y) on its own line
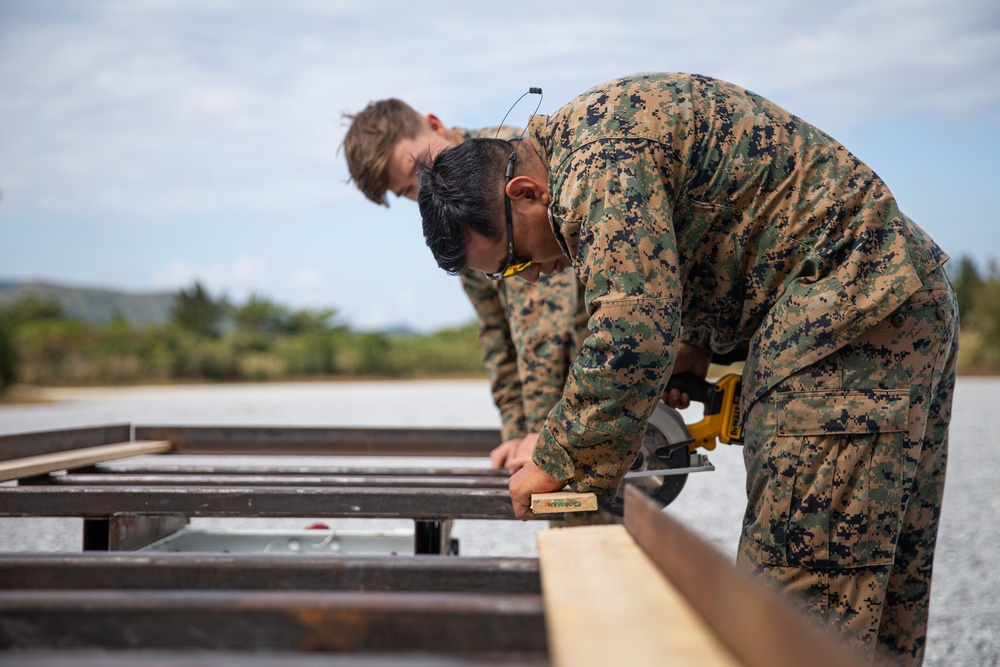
(148, 143)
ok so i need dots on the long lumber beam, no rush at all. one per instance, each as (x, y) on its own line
(761, 628)
(77, 458)
(607, 604)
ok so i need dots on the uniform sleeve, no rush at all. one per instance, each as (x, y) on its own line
(697, 336)
(541, 319)
(499, 354)
(627, 259)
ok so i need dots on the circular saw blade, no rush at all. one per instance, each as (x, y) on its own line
(665, 445)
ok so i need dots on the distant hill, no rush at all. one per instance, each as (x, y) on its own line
(94, 305)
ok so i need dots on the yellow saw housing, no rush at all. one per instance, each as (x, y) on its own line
(722, 415)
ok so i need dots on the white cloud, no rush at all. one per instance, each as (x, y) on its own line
(158, 122)
(238, 279)
(166, 109)
(307, 278)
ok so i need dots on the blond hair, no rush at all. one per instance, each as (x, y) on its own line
(370, 139)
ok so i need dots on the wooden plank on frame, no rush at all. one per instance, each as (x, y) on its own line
(755, 622)
(77, 458)
(607, 604)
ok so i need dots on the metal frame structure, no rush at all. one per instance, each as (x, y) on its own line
(112, 606)
(152, 609)
(125, 506)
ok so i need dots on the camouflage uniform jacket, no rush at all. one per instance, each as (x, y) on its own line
(685, 198)
(526, 378)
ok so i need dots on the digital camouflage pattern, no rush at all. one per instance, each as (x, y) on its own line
(682, 199)
(680, 196)
(853, 452)
(528, 333)
(528, 339)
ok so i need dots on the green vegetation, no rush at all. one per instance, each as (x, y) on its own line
(979, 306)
(209, 339)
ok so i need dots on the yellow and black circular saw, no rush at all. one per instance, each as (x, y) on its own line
(668, 451)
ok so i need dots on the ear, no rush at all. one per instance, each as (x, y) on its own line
(527, 188)
(436, 126)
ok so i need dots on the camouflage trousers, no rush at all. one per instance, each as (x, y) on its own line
(845, 473)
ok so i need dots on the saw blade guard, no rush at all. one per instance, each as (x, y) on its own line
(666, 444)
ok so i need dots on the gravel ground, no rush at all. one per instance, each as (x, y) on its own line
(965, 609)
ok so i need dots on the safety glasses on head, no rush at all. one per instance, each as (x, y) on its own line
(511, 267)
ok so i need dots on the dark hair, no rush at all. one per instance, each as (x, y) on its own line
(462, 192)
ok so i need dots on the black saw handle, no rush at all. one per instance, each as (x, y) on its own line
(698, 389)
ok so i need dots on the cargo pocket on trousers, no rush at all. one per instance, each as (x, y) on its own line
(844, 508)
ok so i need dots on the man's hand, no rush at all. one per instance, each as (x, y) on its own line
(530, 479)
(520, 455)
(502, 452)
(690, 359)
(514, 453)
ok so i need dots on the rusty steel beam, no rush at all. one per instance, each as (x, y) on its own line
(38, 443)
(249, 501)
(259, 572)
(166, 466)
(759, 626)
(82, 658)
(176, 479)
(450, 623)
(262, 440)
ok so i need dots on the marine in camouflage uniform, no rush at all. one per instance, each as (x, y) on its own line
(528, 332)
(683, 199)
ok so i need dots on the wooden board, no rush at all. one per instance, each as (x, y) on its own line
(760, 626)
(563, 501)
(77, 458)
(606, 604)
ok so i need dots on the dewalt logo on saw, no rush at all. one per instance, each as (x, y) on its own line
(722, 408)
